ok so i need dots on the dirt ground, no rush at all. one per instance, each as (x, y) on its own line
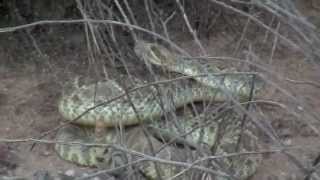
(29, 95)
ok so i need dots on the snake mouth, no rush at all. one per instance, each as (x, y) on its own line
(158, 57)
(154, 54)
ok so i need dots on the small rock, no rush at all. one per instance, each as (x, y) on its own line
(70, 172)
(288, 142)
(46, 153)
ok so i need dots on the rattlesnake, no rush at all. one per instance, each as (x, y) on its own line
(147, 105)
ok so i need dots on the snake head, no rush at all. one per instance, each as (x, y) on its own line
(154, 54)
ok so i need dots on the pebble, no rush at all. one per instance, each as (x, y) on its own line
(70, 172)
(46, 153)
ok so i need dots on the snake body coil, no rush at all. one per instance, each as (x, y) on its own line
(147, 105)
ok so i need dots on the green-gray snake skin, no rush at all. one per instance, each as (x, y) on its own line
(146, 106)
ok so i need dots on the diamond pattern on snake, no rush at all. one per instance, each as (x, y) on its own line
(124, 122)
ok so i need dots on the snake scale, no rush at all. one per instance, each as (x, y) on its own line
(147, 105)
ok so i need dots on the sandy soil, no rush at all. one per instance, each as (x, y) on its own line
(29, 96)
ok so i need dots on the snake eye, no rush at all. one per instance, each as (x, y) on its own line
(106, 151)
(100, 159)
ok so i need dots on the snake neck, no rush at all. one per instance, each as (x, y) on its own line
(232, 84)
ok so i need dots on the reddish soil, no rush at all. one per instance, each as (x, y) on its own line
(29, 94)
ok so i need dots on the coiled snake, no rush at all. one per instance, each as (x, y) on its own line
(147, 105)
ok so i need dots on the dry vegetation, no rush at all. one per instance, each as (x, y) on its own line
(46, 44)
